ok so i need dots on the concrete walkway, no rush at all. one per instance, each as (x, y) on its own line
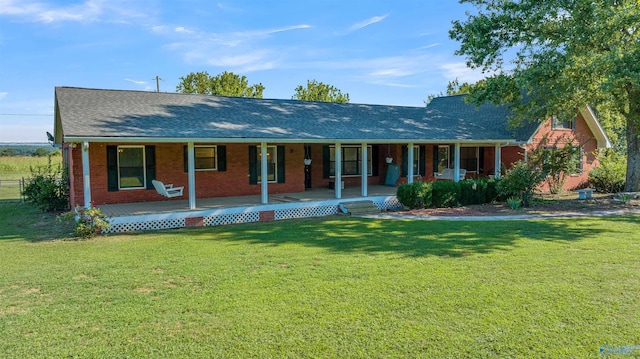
(521, 217)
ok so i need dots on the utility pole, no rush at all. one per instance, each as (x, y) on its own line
(158, 83)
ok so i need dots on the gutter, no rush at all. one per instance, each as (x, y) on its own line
(72, 139)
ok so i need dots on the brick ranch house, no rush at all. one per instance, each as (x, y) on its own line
(116, 142)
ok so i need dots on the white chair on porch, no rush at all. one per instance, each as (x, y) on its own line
(167, 190)
(447, 174)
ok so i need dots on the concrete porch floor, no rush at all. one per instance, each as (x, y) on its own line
(182, 205)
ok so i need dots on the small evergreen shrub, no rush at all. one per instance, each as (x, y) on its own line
(474, 191)
(610, 175)
(491, 193)
(446, 194)
(468, 192)
(415, 195)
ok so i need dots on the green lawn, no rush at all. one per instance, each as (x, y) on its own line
(331, 287)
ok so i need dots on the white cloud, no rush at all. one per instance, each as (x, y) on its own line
(136, 82)
(460, 71)
(429, 46)
(241, 51)
(184, 30)
(88, 11)
(365, 23)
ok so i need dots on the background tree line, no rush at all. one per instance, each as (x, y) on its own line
(230, 84)
(27, 150)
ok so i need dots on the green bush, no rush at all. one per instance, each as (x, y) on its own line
(491, 194)
(446, 194)
(520, 181)
(473, 191)
(610, 175)
(88, 221)
(415, 195)
(48, 188)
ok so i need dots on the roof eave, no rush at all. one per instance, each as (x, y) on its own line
(595, 127)
(77, 139)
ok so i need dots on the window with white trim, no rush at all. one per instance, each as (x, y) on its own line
(206, 158)
(351, 161)
(131, 167)
(557, 124)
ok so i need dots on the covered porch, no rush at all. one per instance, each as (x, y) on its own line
(240, 209)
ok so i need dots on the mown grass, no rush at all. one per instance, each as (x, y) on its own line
(331, 287)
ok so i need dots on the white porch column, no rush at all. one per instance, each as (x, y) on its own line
(86, 175)
(456, 162)
(264, 173)
(191, 170)
(497, 161)
(410, 160)
(365, 170)
(338, 171)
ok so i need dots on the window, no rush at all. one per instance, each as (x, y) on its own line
(443, 158)
(131, 167)
(416, 160)
(558, 124)
(272, 164)
(351, 160)
(469, 158)
(579, 163)
(206, 158)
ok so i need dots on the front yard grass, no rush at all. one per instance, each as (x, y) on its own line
(330, 287)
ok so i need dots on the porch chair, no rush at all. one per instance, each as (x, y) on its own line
(167, 190)
(447, 174)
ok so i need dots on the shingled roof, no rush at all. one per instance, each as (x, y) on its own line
(115, 115)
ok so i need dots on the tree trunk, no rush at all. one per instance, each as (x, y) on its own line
(633, 140)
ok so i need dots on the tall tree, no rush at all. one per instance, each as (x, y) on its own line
(224, 84)
(317, 91)
(453, 88)
(565, 55)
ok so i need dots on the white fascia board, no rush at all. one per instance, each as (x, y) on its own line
(595, 127)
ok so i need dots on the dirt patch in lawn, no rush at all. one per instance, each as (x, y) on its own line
(542, 204)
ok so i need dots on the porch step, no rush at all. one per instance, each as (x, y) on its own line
(360, 207)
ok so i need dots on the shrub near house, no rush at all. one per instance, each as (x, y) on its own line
(447, 193)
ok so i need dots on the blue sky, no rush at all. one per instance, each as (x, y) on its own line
(379, 52)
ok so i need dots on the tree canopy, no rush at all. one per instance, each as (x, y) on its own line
(224, 84)
(453, 88)
(317, 91)
(559, 55)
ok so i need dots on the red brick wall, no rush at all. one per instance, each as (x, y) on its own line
(582, 136)
(170, 169)
(511, 154)
(235, 180)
